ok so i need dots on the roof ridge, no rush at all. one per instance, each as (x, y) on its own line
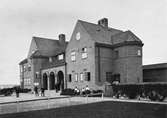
(43, 38)
(105, 28)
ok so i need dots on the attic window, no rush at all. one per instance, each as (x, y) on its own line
(50, 59)
(61, 57)
(78, 36)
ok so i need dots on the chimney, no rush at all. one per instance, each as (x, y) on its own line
(103, 22)
(62, 38)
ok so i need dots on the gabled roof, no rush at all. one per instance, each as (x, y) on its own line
(23, 61)
(124, 36)
(99, 33)
(107, 35)
(48, 47)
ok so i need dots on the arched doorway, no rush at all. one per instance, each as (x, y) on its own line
(60, 80)
(45, 82)
(52, 80)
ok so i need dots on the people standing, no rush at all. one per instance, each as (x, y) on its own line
(42, 92)
(36, 91)
(17, 92)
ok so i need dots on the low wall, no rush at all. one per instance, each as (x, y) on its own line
(106, 109)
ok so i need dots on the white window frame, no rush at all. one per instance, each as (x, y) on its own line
(84, 53)
(76, 77)
(82, 76)
(73, 56)
(139, 52)
(60, 57)
(21, 69)
(24, 68)
(50, 59)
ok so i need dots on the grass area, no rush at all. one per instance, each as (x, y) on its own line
(107, 109)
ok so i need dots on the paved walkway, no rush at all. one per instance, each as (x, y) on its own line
(27, 97)
(27, 102)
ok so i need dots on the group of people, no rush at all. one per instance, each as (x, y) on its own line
(83, 91)
(37, 91)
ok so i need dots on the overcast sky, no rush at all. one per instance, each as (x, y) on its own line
(22, 19)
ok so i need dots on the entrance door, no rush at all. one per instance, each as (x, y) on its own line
(45, 82)
(52, 80)
(60, 80)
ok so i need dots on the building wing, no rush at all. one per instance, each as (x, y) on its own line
(46, 47)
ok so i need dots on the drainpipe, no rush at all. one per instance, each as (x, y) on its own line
(98, 57)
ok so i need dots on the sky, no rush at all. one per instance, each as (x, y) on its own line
(20, 20)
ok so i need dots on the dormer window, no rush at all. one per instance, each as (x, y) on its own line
(50, 59)
(60, 57)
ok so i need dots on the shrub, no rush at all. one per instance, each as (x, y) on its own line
(154, 91)
(6, 91)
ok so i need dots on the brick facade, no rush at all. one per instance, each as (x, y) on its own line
(95, 54)
(101, 60)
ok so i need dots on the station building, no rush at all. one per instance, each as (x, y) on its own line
(96, 54)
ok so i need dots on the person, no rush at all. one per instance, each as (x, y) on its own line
(56, 87)
(17, 92)
(76, 91)
(42, 92)
(83, 91)
(36, 90)
(87, 90)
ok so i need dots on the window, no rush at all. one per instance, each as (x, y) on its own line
(78, 36)
(84, 53)
(60, 57)
(87, 76)
(29, 81)
(50, 59)
(116, 78)
(24, 67)
(82, 76)
(29, 67)
(37, 75)
(116, 54)
(109, 77)
(139, 52)
(69, 79)
(76, 77)
(73, 56)
(21, 69)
